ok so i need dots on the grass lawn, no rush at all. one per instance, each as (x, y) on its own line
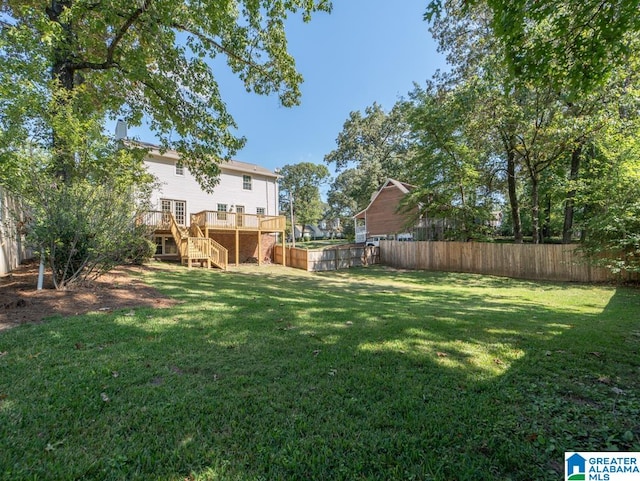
(273, 373)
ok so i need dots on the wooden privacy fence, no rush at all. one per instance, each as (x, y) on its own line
(551, 262)
(327, 259)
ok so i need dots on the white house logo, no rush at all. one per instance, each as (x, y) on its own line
(576, 467)
(604, 466)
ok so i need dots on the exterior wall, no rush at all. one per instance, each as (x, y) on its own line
(229, 191)
(12, 247)
(382, 217)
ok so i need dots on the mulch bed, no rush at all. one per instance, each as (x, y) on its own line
(21, 302)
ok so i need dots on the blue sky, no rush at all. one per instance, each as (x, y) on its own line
(365, 51)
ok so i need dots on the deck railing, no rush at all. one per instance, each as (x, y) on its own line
(233, 220)
(159, 220)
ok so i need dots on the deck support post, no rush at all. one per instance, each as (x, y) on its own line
(237, 247)
(284, 250)
(259, 247)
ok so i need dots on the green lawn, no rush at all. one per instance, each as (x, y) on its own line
(273, 373)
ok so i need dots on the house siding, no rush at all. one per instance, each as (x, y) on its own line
(382, 217)
(229, 191)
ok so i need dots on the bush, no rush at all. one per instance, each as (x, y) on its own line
(142, 250)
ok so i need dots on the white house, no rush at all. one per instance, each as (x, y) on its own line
(241, 214)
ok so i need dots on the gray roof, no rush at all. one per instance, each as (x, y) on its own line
(233, 165)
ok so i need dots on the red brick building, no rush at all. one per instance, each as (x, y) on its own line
(384, 217)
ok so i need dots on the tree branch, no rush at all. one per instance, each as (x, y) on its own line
(218, 46)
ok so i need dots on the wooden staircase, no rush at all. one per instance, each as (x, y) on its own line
(195, 247)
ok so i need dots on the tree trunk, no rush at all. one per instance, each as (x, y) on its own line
(535, 208)
(546, 227)
(513, 194)
(63, 74)
(567, 228)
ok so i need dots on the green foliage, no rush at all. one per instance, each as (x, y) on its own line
(85, 226)
(150, 59)
(570, 45)
(451, 168)
(372, 147)
(300, 184)
(610, 195)
(84, 229)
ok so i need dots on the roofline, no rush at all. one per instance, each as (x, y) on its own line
(170, 154)
(397, 183)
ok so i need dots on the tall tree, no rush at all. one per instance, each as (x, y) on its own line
(142, 58)
(609, 190)
(376, 145)
(455, 172)
(571, 45)
(300, 192)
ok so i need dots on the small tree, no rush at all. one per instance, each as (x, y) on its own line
(85, 226)
(300, 184)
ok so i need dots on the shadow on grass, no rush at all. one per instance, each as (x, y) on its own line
(370, 374)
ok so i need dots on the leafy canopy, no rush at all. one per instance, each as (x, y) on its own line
(152, 59)
(571, 44)
(300, 184)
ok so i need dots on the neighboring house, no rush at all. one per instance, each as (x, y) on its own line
(310, 231)
(384, 218)
(12, 246)
(241, 215)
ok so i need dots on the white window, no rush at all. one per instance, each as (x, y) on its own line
(179, 168)
(246, 182)
(261, 211)
(176, 207)
(222, 211)
(165, 246)
(240, 215)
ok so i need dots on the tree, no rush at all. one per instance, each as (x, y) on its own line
(300, 192)
(84, 227)
(455, 174)
(569, 45)
(136, 59)
(609, 190)
(376, 146)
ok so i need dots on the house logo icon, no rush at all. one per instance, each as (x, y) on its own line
(575, 468)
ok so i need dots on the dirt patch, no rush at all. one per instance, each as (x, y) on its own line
(21, 302)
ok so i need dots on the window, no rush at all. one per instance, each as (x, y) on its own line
(240, 215)
(222, 211)
(176, 207)
(261, 211)
(179, 168)
(165, 246)
(180, 211)
(246, 182)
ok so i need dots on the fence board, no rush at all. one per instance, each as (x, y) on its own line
(327, 259)
(553, 262)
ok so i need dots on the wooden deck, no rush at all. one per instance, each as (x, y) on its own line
(216, 220)
(203, 227)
